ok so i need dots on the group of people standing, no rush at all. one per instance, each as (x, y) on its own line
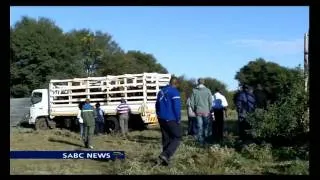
(91, 120)
(206, 114)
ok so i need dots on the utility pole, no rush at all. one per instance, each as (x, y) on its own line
(306, 69)
(306, 60)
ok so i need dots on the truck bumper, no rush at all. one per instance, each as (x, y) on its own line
(150, 119)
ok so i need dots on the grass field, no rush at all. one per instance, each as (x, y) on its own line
(142, 147)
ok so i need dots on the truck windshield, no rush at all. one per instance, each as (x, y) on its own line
(36, 97)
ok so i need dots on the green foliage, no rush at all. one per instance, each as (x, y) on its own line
(291, 153)
(276, 80)
(185, 88)
(37, 52)
(19, 90)
(260, 153)
(286, 120)
(288, 168)
(213, 84)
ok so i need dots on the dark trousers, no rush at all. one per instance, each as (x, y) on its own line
(99, 127)
(244, 126)
(192, 126)
(218, 126)
(171, 137)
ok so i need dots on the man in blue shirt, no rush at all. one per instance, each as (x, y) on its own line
(168, 109)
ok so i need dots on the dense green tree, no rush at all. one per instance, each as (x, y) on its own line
(38, 50)
(276, 80)
(185, 88)
(92, 48)
(146, 62)
(213, 84)
(131, 62)
(286, 121)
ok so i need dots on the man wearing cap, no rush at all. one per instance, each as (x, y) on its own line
(201, 103)
(246, 103)
(88, 114)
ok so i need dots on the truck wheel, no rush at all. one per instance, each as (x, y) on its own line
(41, 124)
(112, 124)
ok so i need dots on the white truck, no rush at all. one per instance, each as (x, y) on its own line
(58, 105)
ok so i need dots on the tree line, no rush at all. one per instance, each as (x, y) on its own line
(40, 51)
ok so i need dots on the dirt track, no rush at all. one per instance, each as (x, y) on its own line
(18, 108)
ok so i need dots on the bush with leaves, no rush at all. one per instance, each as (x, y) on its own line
(287, 119)
(275, 79)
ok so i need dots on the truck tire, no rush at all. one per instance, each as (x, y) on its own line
(112, 124)
(41, 124)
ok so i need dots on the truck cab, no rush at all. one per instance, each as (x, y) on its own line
(39, 105)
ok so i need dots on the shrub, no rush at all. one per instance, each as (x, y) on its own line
(260, 153)
(291, 153)
(287, 119)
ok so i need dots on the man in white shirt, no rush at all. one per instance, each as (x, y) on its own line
(219, 107)
(80, 120)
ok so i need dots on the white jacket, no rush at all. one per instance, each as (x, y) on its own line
(219, 101)
(79, 117)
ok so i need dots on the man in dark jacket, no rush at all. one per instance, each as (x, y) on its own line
(88, 114)
(246, 103)
(168, 109)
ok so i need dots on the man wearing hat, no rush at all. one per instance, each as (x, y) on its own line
(88, 114)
